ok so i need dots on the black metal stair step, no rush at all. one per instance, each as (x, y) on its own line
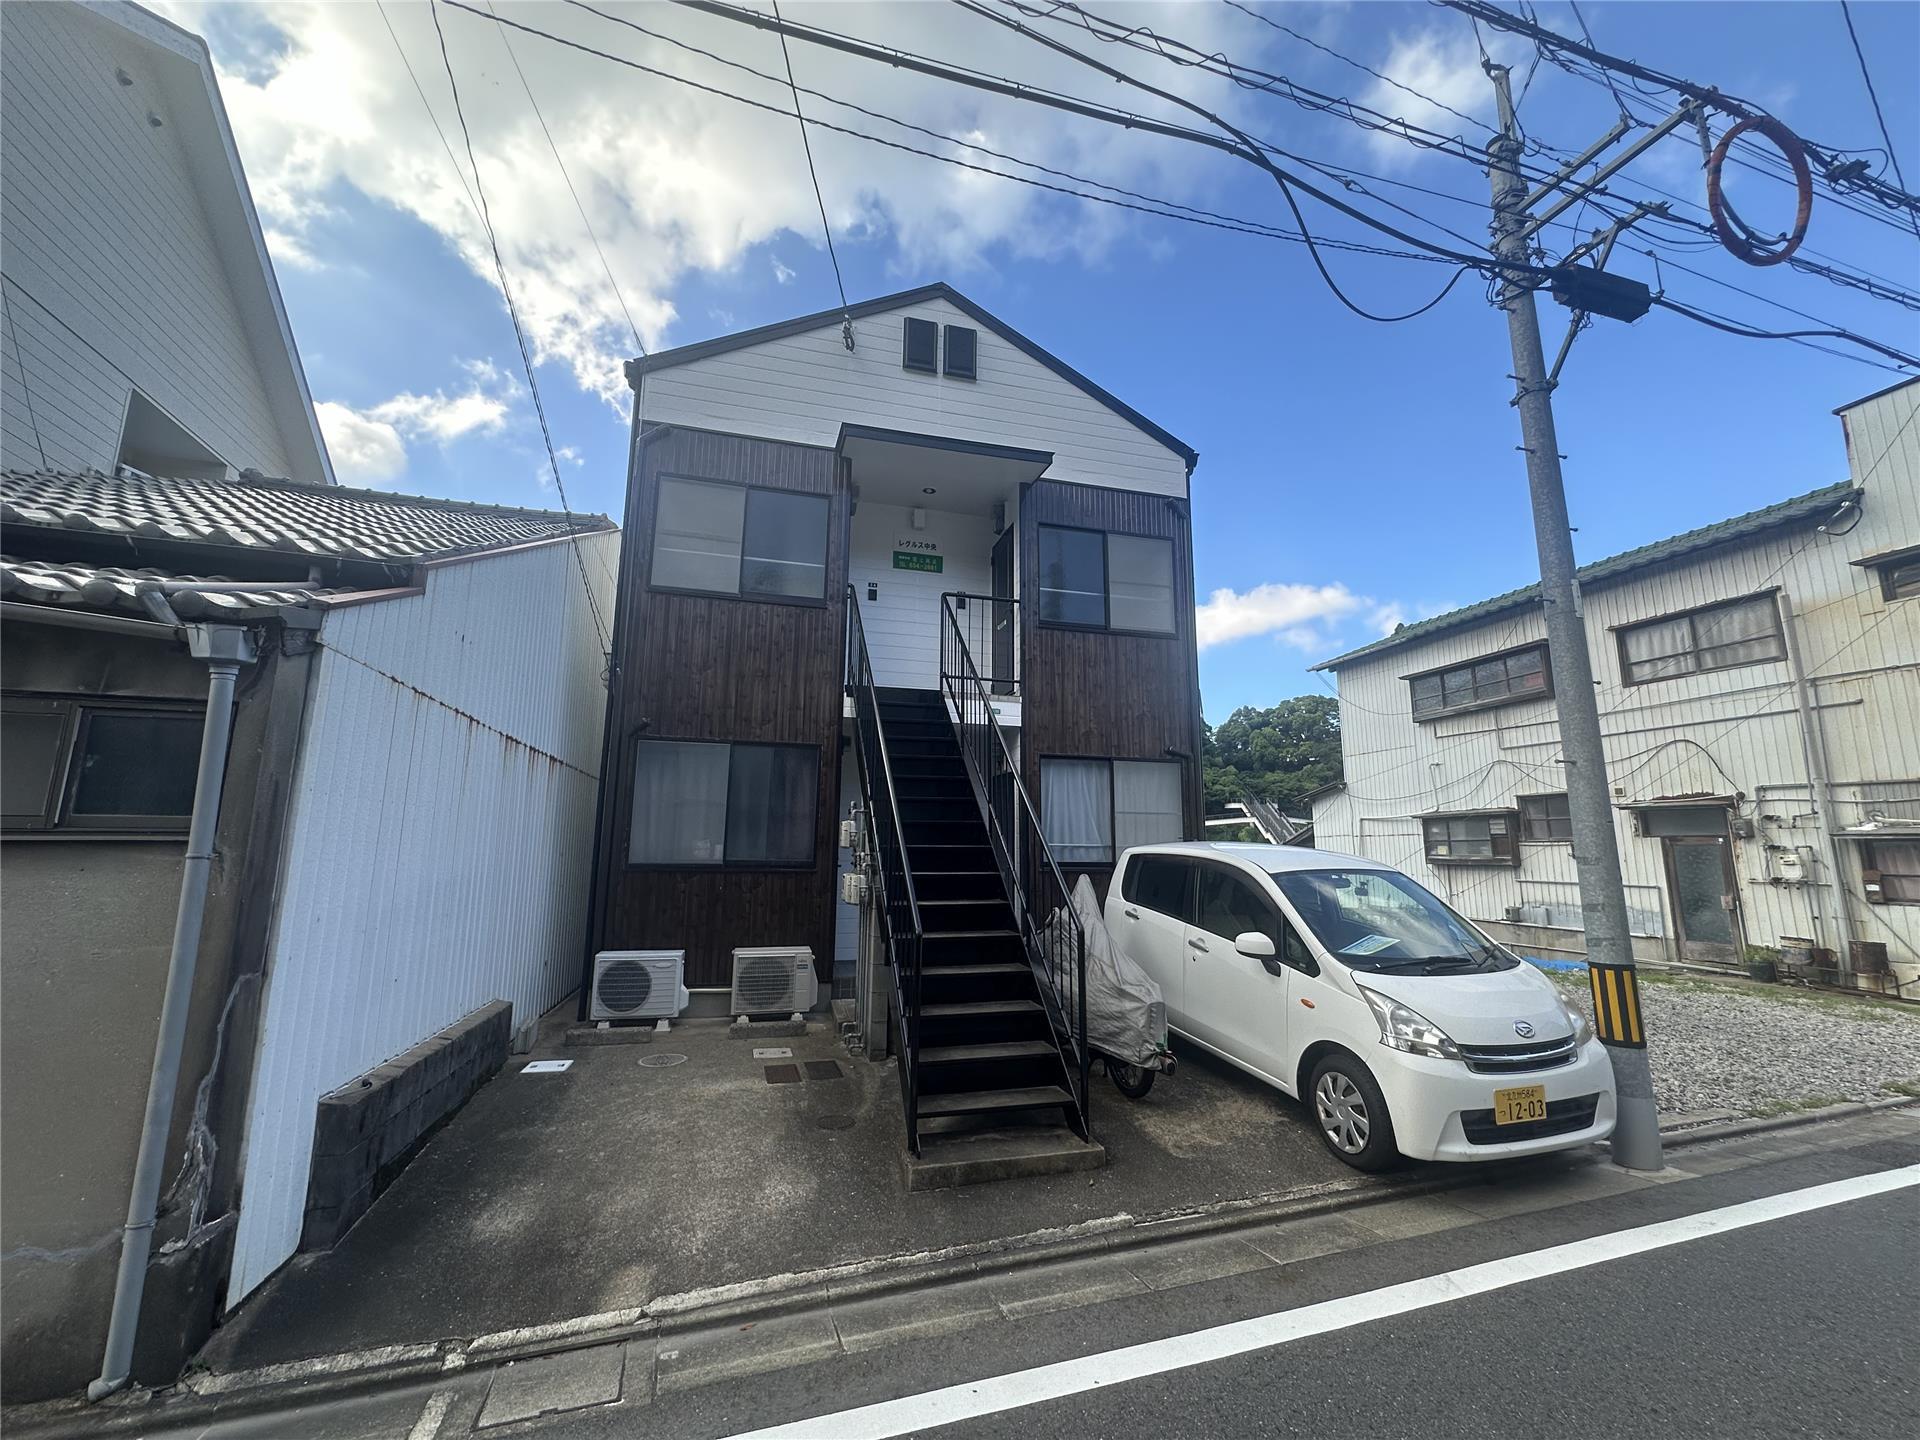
(998, 1050)
(975, 1009)
(981, 1102)
(970, 935)
(997, 967)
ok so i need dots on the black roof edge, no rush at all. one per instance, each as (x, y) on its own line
(938, 290)
(1042, 458)
(1899, 384)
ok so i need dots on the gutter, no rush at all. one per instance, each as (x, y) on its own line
(225, 648)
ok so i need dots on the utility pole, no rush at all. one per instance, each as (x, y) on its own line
(1603, 901)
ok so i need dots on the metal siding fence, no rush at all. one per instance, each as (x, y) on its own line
(440, 844)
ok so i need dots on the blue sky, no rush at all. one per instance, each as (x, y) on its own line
(1363, 472)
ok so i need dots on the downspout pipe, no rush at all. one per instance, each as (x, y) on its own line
(225, 648)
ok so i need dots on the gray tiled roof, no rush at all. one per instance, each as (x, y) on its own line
(288, 516)
(1800, 509)
(95, 587)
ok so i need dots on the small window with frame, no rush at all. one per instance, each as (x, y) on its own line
(1718, 637)
(711, 537)
(960, 346)
(1892, 871)
(1546, 817)
(701, 804)
(1484, 838)
(73, 764)
(920, 345)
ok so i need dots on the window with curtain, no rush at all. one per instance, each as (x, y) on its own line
(1091, 810)
(739, 540)
(1495, 680)
(1720, 637)
(1106, 581)
(708, 803)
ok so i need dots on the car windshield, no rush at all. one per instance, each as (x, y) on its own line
(1381, 920)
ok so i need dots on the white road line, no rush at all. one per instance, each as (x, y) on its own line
(955, 1403)
(428, 1425)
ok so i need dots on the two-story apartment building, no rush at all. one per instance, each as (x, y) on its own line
(1758, 682)
(859, 540)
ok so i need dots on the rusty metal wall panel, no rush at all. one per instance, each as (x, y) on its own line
(440, 846)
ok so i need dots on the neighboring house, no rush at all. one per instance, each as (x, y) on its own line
(407, 793)
(1758, 683)
(142, 325)
(800, 498)
(404, 838)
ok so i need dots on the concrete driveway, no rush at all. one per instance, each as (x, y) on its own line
(623, 1179)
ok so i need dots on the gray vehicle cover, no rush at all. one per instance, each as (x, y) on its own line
(1126, 1018)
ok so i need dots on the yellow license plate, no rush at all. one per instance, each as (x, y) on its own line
(1519, 1104)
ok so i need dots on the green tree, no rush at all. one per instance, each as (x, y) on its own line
(1279, 753)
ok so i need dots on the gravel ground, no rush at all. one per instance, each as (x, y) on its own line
(1763, 1051)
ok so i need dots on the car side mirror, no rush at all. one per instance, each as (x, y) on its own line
(1254, 945)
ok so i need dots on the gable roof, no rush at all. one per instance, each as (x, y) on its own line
(939, 290)
(324, 522)
(186, 74)
(1800, 509)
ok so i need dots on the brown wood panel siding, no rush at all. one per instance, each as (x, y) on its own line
(1090, 693)
(697, 667)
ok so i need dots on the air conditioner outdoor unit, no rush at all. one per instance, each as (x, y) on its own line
(638, 985)
(776, 980)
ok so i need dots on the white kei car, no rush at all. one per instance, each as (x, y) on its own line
(1342, 982)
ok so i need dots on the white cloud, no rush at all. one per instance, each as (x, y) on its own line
(364, 451)
(442, 417)
(291, 251)
(1443, 66)
(781, 272)
(1298, 614)
(675, 180)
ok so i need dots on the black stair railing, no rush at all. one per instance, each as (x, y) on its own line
(899, 908)
(1035, 886)
(990, 628)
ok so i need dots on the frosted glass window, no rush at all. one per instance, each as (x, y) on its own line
(1139, 583)
(679, 804)
(1146, 802)
(697, 530)
(1076, 811)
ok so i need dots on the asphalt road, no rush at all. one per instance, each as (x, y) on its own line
(1799, 1325)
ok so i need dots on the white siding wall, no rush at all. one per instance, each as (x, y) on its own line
(804, 387)
(1719, 733)
(113, 275)
(439, 848)
(903, 625)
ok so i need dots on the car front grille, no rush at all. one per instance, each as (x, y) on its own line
(1513, 1059)
(1563, 1118)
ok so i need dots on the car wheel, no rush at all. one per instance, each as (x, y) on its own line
(1132, 1081)
(1351, 1114)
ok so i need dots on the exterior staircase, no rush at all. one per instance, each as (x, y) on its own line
(984, 1049)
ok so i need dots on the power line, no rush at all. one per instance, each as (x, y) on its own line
(1846, 13)
(427, 105)
(846, 323)
(507, 44)
(519, 334)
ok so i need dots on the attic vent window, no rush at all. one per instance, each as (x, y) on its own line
(920, 346)
(962, 351)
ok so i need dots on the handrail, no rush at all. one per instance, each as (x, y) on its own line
(1055, 940)
(1002, 672)
(900, 906)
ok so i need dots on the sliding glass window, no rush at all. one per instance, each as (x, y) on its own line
(1104, 581)
(739, 540)
(706, 803)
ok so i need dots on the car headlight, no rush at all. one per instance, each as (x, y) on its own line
(1405, 1028)
(1582, 1027)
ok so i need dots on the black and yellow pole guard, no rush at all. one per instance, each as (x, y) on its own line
(1616, 1005)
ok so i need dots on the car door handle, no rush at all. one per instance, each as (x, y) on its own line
(1131, 914)
(1197, 944)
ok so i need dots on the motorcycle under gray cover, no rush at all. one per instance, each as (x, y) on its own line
(1126, 1018)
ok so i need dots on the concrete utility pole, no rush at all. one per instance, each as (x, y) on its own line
(1636, 1137)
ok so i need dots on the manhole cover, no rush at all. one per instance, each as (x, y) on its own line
(783, 1074)
(835, 1122)
(824, 1070)
(661, 1062)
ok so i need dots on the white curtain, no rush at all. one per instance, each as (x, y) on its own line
(1660, 649)
(1146, 802)
(696, 536)
(679, 804)
(1076, 811)
(1139, 583)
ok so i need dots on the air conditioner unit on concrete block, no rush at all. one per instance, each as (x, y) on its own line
(773, 980)
(638, 985)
